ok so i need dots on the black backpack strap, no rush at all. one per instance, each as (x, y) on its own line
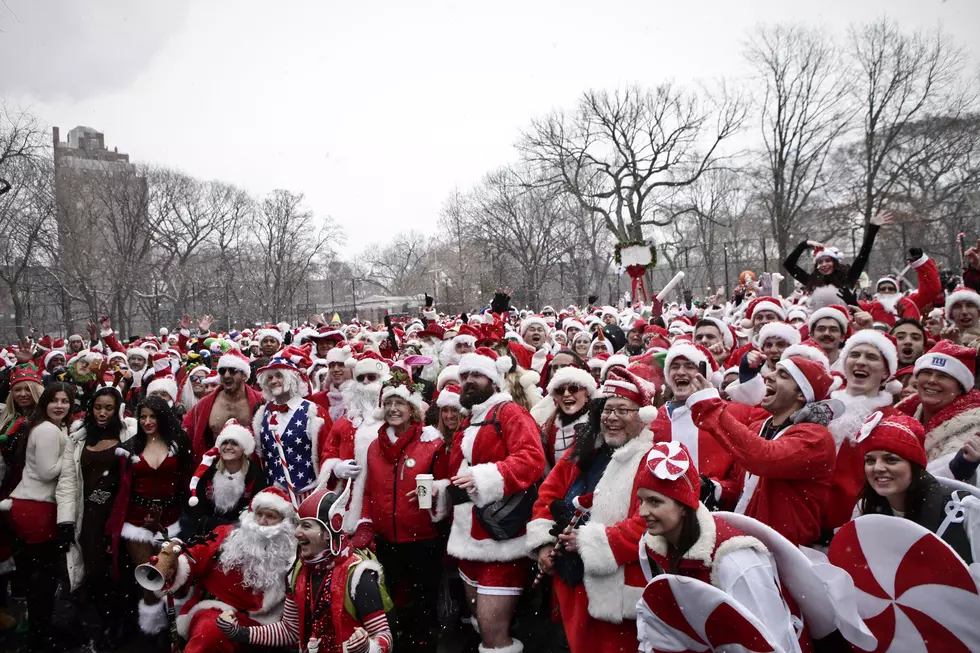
(492, 418)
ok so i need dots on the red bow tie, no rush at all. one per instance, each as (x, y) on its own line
(282, 408)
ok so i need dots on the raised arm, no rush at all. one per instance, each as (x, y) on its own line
(792, 263)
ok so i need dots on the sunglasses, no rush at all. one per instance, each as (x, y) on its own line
(367, 378)
(226, 370)
(570, 388)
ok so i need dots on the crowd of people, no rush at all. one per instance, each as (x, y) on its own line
(451, 481)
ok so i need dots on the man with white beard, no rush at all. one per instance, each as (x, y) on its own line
(345, 455)
(242, 570)
(461, 344)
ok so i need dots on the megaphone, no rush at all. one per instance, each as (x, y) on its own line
(153, 575)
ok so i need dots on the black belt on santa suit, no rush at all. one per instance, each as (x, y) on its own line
(144, 502)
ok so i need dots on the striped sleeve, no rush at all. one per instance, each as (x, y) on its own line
(282, 633)
(377, 627)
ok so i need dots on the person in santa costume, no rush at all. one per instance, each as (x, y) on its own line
(238, 573)
(269, 339)
(715, 336)
(787, 458)
(683, 538)
(570, 393)
(962, 311)
(331, 395)
(829, 327)
(597, 576)
(234, 399)
(772, 340)
(870, 360)
(948, 407)
(910, 341)
(719, 482)
(291, 432)
(532, 352)
(193, 388)
(407, 542)
(335, 600)
(223, 483)
(496, 455)
(345, 454)
(890, 305)
(898, 484)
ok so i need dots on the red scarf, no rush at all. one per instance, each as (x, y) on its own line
(392, 451)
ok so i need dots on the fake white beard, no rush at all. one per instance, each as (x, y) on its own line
(448, 355)
(430, 372)
(261, 554)
(889, 301)
(227, 489)
(361, 401)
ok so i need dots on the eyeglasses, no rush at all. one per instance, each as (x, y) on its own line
(570, 388)
(226, 370)
(618, 412)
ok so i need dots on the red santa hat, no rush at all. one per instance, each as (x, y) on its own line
(765, 304)
(50, 355)
(891, 280)
(628, 385)
(727, 332)
(574, 376)
(962, 294)
(811, 377)
(449, 374)
(670, 471)
(781, 330)
(810, 350)
(615, 360)
(231, 432)
(883, 342)
(827, 252)
(836, 312)
(212, 378)
(949, 358)
(486, 362)
(449, 396)
(234, 359)
(165, 383)
(467, 334)
(534, 319)
(273, 498)
(339, 354)
(367, 362)
(139, 352)
(269, 331)
(160, 361)
(898, 434)
(693, 352)
(572, 323)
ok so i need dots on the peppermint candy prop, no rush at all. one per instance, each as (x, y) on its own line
(680, 614)
(668, 461)
(914, 593)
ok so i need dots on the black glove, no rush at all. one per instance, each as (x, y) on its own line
(688, 297)
(387, 321)
(708, 493)
(915, 253)
(234, 632)
(562, 513)
(848, 297)
(429, 301)
(66, 536)
(593, 299)
(500, 303)
(465, 318)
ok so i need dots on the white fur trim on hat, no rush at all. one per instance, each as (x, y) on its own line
(534, 319)
(237, 433)
(685, 349)
(414, 398)
(464, 339)
(969, 296)
(947, 365)
(831, 312)
(486, 366)
(268, 333)
(272, 501)
(794, 371)
(138, 351)
(611, 362)
(879, 341)
(164, 384)
(449, 374)
(568, 375)
(339, 354)
(781, 330)
(447, 398)
(236, 362)
(369, 366)
(726, 334)
(808, 352)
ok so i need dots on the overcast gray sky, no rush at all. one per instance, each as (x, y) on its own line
(378, 109)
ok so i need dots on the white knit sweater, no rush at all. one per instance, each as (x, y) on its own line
(42, 464)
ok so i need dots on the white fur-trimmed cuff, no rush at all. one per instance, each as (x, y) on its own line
(539, 534)
(594, 549)
(441, 504)
(489, 483)
(152, 618)
(919, 262)
(326, 470)
(702, 395)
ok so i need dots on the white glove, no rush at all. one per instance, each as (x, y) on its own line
(347, 469)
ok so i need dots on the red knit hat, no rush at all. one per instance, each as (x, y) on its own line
(813, 380)
(765, 304)
(670, 471)
(899, 434)
(25, 372)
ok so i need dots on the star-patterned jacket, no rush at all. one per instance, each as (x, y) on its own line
(302, 428)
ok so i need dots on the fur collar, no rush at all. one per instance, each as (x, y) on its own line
(857, 410)
(480, 411)
(702, 549)
(639, 444)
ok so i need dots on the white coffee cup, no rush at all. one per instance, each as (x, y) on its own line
(423, 487)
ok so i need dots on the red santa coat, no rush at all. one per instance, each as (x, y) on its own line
(947, 430)
(391, 471)
(789, 476)
(196, 421)
(929, 292)
(501, 463)
(348, 442)
(713, 460)
(608, 545)
(215, 588)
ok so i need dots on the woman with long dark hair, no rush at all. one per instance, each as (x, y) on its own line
(830, 275)
(32, 510)
(898, 483)
(155, 469)
(86, 493)
(683, 538)
(570, 392)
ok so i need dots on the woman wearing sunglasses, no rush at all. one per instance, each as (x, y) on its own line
(571, 391)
